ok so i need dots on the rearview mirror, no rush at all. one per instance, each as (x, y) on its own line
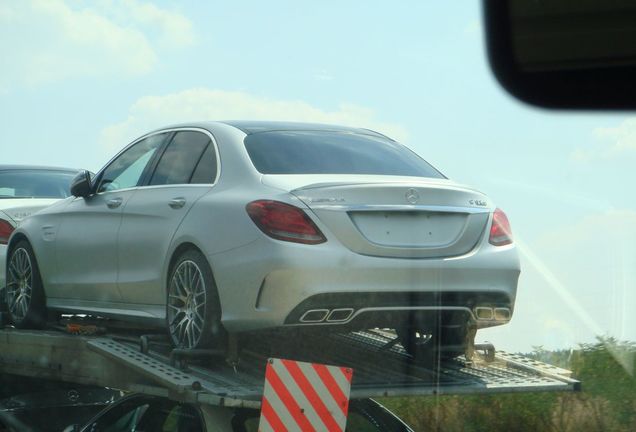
(81, 184)
(564, 53)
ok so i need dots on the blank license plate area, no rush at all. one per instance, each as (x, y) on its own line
(410, 229)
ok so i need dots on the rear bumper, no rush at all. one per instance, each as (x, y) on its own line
(268, 284)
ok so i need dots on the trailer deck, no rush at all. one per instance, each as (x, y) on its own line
(146, 364)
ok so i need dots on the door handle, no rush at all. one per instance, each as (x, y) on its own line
(177, 203)
(114, 203)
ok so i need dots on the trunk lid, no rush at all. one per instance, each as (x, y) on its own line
(17, 209)
(405, 217)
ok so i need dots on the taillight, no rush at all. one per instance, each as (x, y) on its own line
(284, 222)
(5, 231)
(500, 233)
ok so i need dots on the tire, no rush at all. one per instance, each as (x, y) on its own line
(193, 309)
(429, 347)
(25, 299)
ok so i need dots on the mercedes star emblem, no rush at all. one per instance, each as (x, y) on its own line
(412, 196)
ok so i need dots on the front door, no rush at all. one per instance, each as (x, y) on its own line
(86, 245)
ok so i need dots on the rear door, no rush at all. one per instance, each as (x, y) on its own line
(185, 172)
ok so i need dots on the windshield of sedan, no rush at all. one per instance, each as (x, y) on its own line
(35, 183)
(312, 152)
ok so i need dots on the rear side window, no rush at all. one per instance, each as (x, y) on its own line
(318, 152)
(205, 172)
(178, 162)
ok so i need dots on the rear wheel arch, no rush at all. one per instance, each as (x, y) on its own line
(190, 251)
(177, 252)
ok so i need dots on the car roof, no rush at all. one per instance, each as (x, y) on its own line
(35, 167)
(254, 126)
(250, 127)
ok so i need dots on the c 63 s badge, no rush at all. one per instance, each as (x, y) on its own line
(479, 203)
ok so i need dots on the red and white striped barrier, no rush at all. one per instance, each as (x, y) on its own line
(305, 397)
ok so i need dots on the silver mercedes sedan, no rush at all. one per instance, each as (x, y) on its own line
(219, 228)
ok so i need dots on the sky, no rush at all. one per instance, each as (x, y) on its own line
(81, 79)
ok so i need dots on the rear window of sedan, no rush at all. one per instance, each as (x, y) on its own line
(35, 183)
(320, 152)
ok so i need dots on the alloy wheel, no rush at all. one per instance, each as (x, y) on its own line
(19, 283)
(186, 304)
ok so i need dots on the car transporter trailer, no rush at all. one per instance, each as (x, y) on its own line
(140, 363)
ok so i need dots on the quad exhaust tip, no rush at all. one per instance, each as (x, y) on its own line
(314, 316)
(502, 314)
(340, 315)
(485, 313)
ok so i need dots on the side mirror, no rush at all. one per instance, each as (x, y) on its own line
(81, 184)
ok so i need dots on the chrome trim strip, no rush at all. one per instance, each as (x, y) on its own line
(176, 129)
(393, 308)
(400, 207)
(414, 308)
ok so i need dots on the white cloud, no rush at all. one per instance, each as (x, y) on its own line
(323, 75)
(151, 112)
(622, 137)
(582, 155)
(613, 142)
(172, 28)
(176, 29)
(43, 41)
(473, 28)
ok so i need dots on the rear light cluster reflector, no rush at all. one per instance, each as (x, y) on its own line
(5, 231)
(284, 222)
(500, 233)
